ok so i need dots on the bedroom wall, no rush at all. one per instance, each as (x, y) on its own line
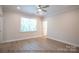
(1, 23)
(64, 27)
(12, 27)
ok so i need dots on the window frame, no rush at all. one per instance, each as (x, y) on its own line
(29, 30)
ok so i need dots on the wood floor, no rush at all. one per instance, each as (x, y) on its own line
(36, 45)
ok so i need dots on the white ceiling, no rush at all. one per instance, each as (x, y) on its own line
(58, 9)
(31, 9)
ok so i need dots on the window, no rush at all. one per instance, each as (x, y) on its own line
(28, 25)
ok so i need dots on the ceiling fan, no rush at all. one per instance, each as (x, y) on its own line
(43, 7)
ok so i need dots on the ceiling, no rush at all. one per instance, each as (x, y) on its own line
(59, 9)
(32, 9)
(28, 9)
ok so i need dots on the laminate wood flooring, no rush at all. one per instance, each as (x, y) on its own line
(36, 45)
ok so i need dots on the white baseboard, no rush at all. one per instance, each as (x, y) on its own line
(20, 39)
(66, 42)
(53, 38)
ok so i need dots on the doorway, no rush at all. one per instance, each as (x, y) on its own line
(44, 27)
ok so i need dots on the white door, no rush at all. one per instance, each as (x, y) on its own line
(1, 29)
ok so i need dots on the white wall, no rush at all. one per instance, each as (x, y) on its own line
(1, 24)
(12, 27)
(64, 27)
(1, 11)
(1, 29)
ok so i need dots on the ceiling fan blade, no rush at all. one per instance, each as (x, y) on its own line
(43, 6)
(44, 10)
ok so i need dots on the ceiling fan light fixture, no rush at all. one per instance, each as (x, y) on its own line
(39, 10)
(18, 7)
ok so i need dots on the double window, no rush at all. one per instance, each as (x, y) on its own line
(28, 25)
